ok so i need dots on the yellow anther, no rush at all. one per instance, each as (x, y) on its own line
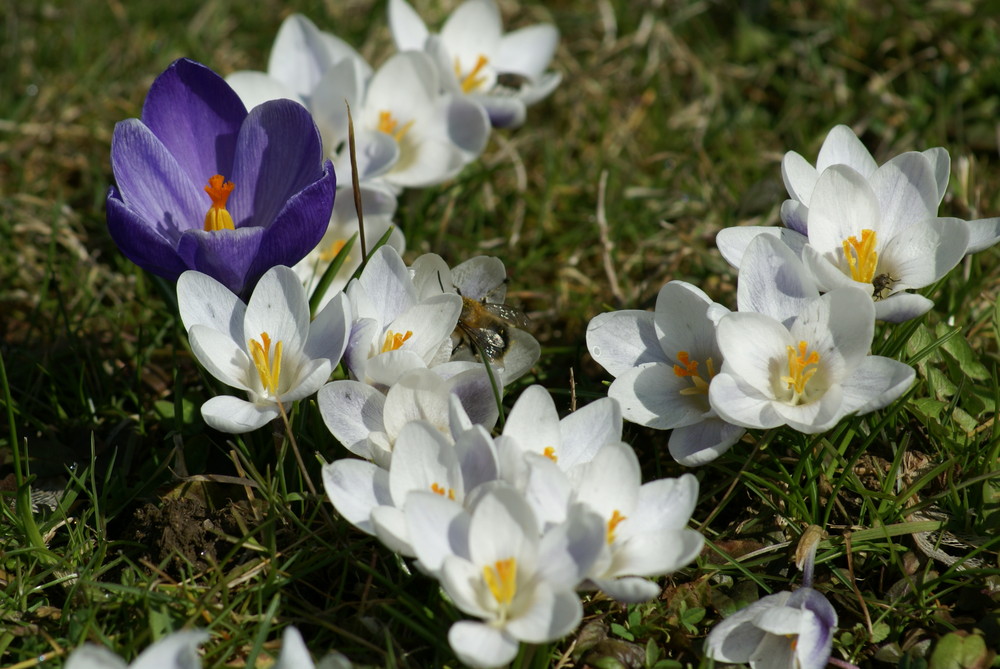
(473, 79)
(388, 124)
(861, 256)
(393, 340)
(439, 490)
(268, 366)
(550, 453)
(613, 523)
(802, 365)
(331, 250)
(502, 580)
(217, 217)
(689, 368)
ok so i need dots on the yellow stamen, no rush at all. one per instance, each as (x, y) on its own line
(550, 453)
(502, 580)
(801, 368)
(388, 124)
(331, 250)
(864, 259)
(473, 79)
(393, 340)
(217, 217)
(268, 367)
(439, 490)
(613, 523)
(689, 368)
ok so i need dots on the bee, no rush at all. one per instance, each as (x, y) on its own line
(510, 82)
(485, 326)
(881, 284)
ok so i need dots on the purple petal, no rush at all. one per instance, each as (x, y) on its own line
(140, 242)
(298, 228)
(278, 154)
(153, 184)
(224, 255)
(197, 116)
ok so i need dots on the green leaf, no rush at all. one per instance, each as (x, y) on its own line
(959, 349)
(879, 632)
(959, 651)
(619, 630)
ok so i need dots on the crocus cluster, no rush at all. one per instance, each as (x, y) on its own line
(796, 352)
(513, 525)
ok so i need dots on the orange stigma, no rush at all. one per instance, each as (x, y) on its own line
(217, 217)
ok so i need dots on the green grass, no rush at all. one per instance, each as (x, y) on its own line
(688, 108)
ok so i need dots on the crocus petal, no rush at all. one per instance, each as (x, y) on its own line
(795, 216)
(983, 233)
(468, 126)
(628, 589)
(141, 243)
(472, 29)
(299, 56)
(553, 614)
(220, 355)
(533, 419)
(799, 176)
(902, 307)
(876, 383)
(278, 307)
(155, 185)
(356, 487)
(751, 344)
(655, 554)
(294, 654)
(621, 340)
(733, 241)
(650, 395)
(842, 147)
(736, 638)
(174, 651)
(408, 30)
(480, 645)
(255, 88)
(773, 281)
(278, 154)
(584, 431)
(89, 656)
(236, 416)
(329, 331)
(226, 255)
(664, 504)
(196, 116)
(843, 204)
(528, 50)
(503, 112)
(738, 403)
(204, 301)
(697, 444)
(438, 528)
(907, 192)
(351, 410)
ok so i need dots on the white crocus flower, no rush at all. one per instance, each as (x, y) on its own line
(647, 533)
(809, 374)
(496, 565)
(503, 73)
(486, 323)
(267, 347)
(664, 363)
(786, 630)
(175, 651)
(842, 147)
(882, 235)
(394, 330)
(436, 133)
(368, 423)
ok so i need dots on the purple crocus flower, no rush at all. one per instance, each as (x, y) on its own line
(204, 185)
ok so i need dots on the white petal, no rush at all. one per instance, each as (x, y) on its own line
(737, 637)
(231, 414)
(907, 192)
(202, 300)
(655, 554)
(255, 88)
(842, 147)
(754, 346)
(585, 430)
(799, 176)
(89, 656)
(329, 331)
(528, 50)
(628, 589)
(876, 383)
(620, 340)
(983, 233)
(795, 216)
(533, 423)
(468, 126)
(389, 524)
(479, 645)
(279, 308)
(472, 29)
(773, 281)
(299, 56)
(843, 204)
(294, 654)
(174, 651)
(408, 30)
(553, 615)
(664, 504)
(740, 404)
(351, 411)
(356, 488)
(503, 526)
(703, 442)
(438, 528)
(941, 165)
(902, 307)
(733, 241)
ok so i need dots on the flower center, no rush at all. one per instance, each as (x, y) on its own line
(802, 365)
(502, 581)
(388, 124)
(473, 79)
(613, 523)
(689, 368)
(217, 217)
(440, 490)
(268, 365)
(861, 256)
(550, 453)
(393, 340)
(331, 250)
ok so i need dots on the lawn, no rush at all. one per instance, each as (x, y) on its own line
(670, 125)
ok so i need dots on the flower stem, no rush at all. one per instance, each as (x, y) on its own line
(301, 463)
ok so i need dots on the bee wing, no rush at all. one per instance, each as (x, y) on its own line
(512, 315)
(492, 344)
